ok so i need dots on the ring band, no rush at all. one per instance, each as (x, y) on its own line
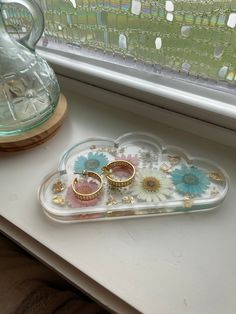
(88, 196)
(119, 163)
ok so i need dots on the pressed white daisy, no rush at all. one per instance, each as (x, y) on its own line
(151, 185)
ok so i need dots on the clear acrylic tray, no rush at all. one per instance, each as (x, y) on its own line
(166, 181)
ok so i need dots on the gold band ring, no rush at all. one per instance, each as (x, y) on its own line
(123, 164)
(88, 196)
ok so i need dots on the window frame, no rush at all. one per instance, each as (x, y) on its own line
(204, 103)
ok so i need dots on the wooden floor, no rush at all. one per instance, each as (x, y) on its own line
(27, 286)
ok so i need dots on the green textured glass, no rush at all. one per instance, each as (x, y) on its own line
(191, 37)
(29, 90)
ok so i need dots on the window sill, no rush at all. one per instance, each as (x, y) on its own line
(165, 117)
(122, 256)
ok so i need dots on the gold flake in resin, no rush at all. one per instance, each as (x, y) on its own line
(93, 147)
(215, 177)
(214, 191)
(189, 161)
(174, 160)
(188, 202)
(128, 200)
(112, 151)
(165, 168)
(111, 201)
(58, 200)
(58, 187)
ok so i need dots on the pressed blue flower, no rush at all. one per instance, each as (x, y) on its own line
(93, 162)
(190, 180)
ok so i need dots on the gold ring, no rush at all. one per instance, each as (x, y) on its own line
(88, 196)
(107, 170)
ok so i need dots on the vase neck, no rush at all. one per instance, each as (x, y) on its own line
(3, 31)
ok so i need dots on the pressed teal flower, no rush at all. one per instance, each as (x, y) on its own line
(190, 180)
(93, 162)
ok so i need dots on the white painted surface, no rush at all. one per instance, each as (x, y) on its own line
(199, 102)
(172, 265)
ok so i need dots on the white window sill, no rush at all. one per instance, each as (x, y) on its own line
(130, 264)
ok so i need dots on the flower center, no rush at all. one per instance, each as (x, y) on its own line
(190, 179)
(92, 164)
(151, 184)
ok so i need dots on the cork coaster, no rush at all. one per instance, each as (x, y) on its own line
(38, 135)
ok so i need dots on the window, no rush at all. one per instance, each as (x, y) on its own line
(178, 54)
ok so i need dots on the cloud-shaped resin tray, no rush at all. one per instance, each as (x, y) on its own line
(167, 181)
